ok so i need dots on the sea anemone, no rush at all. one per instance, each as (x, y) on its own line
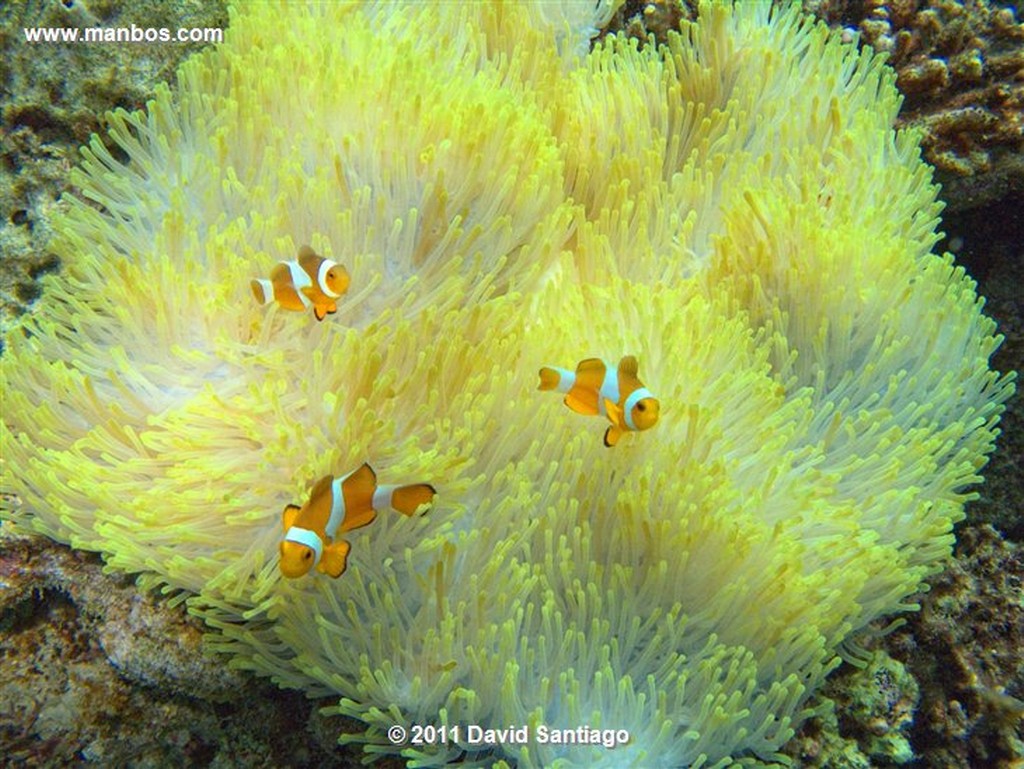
(734, 209)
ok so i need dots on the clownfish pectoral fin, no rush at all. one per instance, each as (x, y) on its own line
(408, 499)
(549, 379)
(612, 435)
(613, 411)
(629, 366)
(335, 559)
(358, 489)
(291, 512)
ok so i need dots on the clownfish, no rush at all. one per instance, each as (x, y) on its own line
(310, 281)
(339, 505)
(597, 388)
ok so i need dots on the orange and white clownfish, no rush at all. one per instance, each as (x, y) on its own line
(339, 505)
(309, 281)
(598, 388)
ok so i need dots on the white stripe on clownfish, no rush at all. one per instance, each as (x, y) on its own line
(337, 507)
(609, 389)
(634, 398)
(382, 497)
(300, 280)
(308, 538)
(566, 379)
(321, 277)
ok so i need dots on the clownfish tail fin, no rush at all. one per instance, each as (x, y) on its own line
(262, 290)
(549, 379)
(408, 499)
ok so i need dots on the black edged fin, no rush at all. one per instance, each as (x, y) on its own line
(611, 436)
(289, 514)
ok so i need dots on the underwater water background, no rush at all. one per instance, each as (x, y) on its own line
(91, 671)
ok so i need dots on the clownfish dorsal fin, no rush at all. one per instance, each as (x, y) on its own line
(320, 488)
(358, 489)
(308, 260)
(290, 515)
(365, 474)
(629, 366)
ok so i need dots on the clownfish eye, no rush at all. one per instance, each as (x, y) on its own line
(641, 406)
(307, 555)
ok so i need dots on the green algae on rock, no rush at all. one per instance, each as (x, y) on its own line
(732, 208)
